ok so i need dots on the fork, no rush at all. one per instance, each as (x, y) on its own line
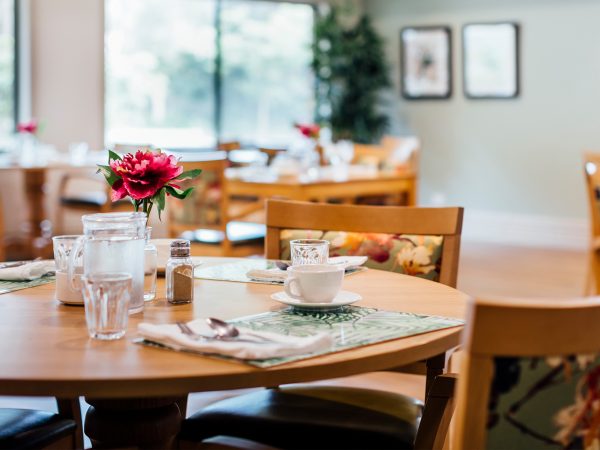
(185, 329)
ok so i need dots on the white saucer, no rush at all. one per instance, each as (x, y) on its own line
(343, 298)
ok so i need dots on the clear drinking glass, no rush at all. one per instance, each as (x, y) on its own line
(106, 296)
(150, 266)
(309, 251)
(63, 245)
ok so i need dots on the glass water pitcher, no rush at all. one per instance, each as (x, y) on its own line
(113, 242)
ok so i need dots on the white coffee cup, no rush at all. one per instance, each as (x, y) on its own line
(314, 283)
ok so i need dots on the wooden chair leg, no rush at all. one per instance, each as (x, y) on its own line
(70, 408)
(592, 282)
(437, 414)
(435, 367)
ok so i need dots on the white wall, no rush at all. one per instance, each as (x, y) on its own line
(68, 69)
(511, 157)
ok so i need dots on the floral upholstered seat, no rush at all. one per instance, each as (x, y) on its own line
(538, 403)
(402, 253)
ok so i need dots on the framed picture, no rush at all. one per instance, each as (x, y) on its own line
(491, 60)
(426, 62)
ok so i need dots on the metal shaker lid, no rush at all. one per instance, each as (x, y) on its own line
(180, 247)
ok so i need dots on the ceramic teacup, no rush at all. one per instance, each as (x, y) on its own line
(314, 283)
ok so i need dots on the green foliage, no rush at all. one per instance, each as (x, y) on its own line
(351, 71)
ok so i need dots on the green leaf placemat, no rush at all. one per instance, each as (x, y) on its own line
(10, 286)
(352, 327)
(237, 271)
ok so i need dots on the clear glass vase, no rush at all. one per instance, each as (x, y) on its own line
(150, 264)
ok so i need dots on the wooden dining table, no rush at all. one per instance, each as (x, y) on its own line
(322, 183)
(46, 350)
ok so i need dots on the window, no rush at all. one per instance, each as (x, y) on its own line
(7, 69)
(189, 73)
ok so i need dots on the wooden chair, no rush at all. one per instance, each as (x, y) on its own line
(592, 181)
(2, 234)
(301, 410)
(26, 428)
(393, 153)
(88, 193)
(228, 146)
(529, 375)
(210, 224)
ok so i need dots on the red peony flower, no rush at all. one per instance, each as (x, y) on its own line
(147, 177)
(143, 174)
(27, 127)
(309, 130)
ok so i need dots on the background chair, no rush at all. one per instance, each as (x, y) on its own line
(301, 410)
(26, 428)
(2, 234)
(529, 376)
(207, 219)
(88, 193)
(592, 181)
(393, 153)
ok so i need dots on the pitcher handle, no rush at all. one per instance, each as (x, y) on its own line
(76, 252)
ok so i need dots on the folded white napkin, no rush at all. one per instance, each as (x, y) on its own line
(269, 275)
(28, 272)
(276, 275)
(282, 346)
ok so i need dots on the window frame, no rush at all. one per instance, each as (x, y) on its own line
(16, 62)
(217, 121)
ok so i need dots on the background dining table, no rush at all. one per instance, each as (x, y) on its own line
(322, 183)
(46, 350)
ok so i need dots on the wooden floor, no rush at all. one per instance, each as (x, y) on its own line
(494, 271)
(488, 271)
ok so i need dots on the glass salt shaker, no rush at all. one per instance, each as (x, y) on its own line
(180, 273)
(150, 267)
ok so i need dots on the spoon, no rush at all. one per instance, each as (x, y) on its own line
(282, 265)
(226, 330)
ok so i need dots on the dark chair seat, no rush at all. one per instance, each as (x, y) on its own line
(311, 417)
(238, 233)
(85, 199)
(90, 200)
(24, 428)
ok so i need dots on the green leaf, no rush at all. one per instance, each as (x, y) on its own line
(178, 193)
(112, 156)
(159, 198)
(188, 175)
(108, 173)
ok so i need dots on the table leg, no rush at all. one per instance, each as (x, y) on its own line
(146, 423)
(435, 366)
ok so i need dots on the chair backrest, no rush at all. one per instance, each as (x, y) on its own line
(229, 145)
(417, 234)
(525, 382)
(2, 234)
(391, 152)
(405, 150)
(130, 148)
(207, 206)
(591, 165)
(370, 155)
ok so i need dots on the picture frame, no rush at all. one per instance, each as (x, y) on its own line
(426, 62)
(491, 60)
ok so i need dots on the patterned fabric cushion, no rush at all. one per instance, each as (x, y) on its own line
(402, 253)
(547, 403)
